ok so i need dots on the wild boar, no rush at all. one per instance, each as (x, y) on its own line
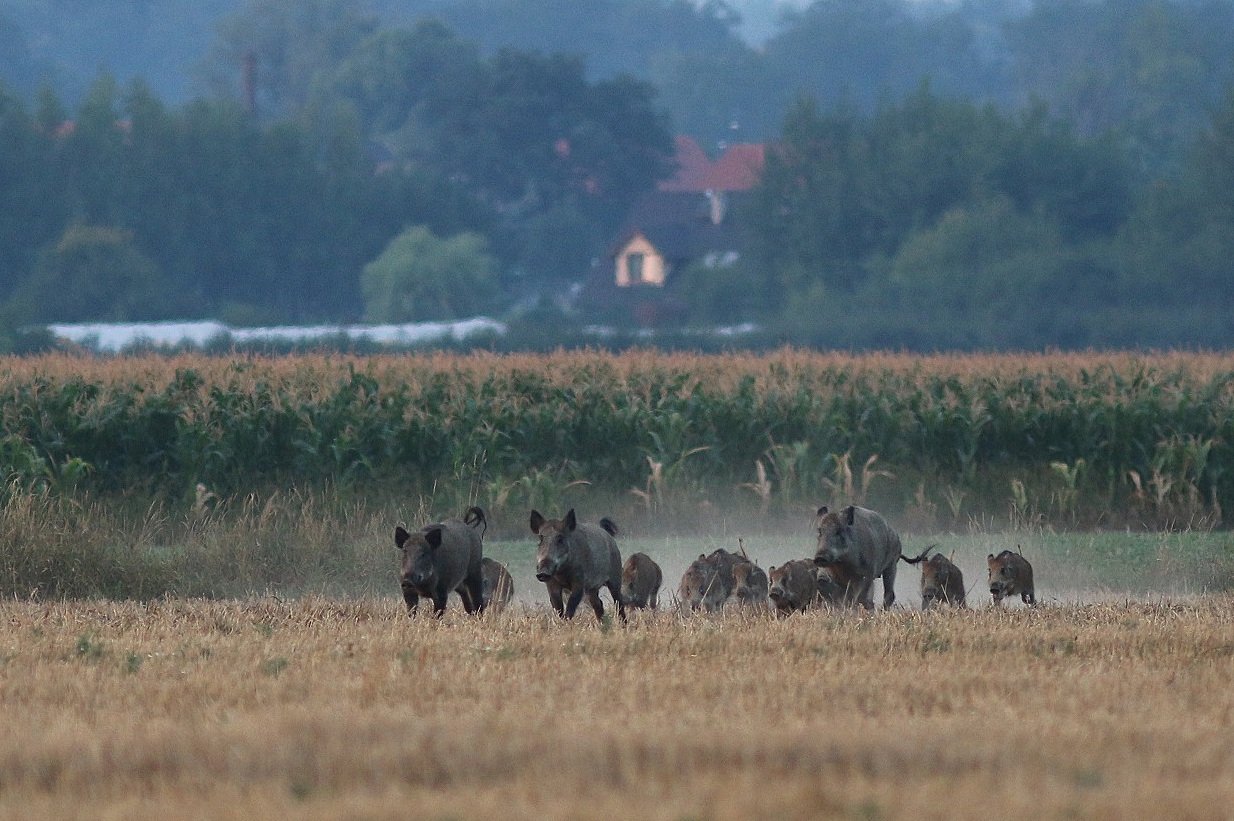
(837, 585)
(941, 581)
(641, 578)
(708, 581)
(750, 586)
(578, 559)
(498, 585)
(794, 586)
(1010, 573)
(438, 559)
(861, 543)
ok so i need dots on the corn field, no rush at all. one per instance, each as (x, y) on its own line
(1075, 439)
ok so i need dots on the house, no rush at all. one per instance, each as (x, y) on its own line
(687, 218)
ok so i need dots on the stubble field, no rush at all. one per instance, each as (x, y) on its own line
(346, 708)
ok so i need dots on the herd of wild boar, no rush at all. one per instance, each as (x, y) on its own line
(576, 559)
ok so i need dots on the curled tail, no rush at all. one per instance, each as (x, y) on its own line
(609, 525)
(920, 558)
(475, 516)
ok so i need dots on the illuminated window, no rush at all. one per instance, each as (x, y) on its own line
(634, 264)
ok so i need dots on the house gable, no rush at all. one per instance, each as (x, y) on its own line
(640, 263)
(686, 218)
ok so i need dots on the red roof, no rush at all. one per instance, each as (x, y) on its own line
(692, 167)
(738, 169)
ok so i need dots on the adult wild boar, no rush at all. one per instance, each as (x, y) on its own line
(941, 581)
(641, 578)
(1010, 573)
(498, 585)
(578, 559)
(441, 558)
(860, 543)
(794, 586)
(751, 587)
(708, 582)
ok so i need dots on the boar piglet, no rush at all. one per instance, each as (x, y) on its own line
(794, 586)
(1010, 573)
(498, 585)
(941, 581)
(641, 578)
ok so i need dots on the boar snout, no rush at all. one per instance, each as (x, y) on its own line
(546, 569)
(417, 577)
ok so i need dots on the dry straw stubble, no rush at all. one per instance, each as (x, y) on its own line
(328, 708)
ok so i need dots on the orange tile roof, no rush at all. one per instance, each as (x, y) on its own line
(692, 167)
(738, 169)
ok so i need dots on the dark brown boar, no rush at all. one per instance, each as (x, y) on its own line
(641, 578)
(438, 559)
(794, 586)
(941, 581)
(578, 559)
(1011, 573)
(708, 582)
(862, 545)
(751, 587)
(837, 585)
(498, 585)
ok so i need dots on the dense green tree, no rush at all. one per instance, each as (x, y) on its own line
(422, 277)
(290, 46)
(871, 51)
(558, 156)
(33, 209)
(969, 279)
(1149, 69)
(91, 274)
(843, 192)
(1178, 246)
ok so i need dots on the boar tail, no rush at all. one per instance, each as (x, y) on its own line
(921, 557)
(609, 525)
(475, 516)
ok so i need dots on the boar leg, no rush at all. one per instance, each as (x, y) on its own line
(554, 597)
(865, 596)
(411, 597)
(472, 592)
(889, 586)
(615, 589)
(440, 597)
(593, 598)
(1028, 596)
(576, 596)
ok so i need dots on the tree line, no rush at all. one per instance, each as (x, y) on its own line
(980, 177)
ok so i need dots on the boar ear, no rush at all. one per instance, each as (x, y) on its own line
(433, 537)
(400, 537)
(571, 522)
(990, 558)
(822, 511)
(849, 513)
(537, 522)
